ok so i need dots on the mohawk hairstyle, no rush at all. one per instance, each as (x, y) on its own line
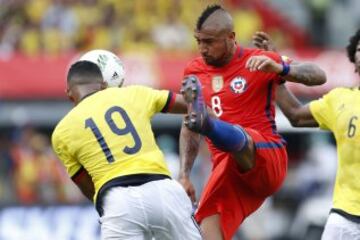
(351, 48)
(205, 14)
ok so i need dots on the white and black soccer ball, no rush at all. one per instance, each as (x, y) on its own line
(110, 65)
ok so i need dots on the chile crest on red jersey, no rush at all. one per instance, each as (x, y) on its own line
(238, 85)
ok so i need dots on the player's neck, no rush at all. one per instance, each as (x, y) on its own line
(232, 53)
(86, 95)
(82, 94)
(229, 57)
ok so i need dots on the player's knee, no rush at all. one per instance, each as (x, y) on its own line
(245, 158)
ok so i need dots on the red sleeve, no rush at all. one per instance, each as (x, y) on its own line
(193, 67)
(188, 69)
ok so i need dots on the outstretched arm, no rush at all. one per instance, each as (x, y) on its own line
(189, 148)
(305, 73)
(299, 115)
(179, 105)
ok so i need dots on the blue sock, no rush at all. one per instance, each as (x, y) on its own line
(225, 136)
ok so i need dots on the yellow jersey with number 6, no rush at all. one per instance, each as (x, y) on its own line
(339, 112)
(109, 134)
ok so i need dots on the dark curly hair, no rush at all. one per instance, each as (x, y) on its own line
(351, 48)
(205, 14)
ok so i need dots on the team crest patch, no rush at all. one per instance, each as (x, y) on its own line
(217, 83)
(238, 85)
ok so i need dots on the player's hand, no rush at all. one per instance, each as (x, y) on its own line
(263, 41)
(189, 188)
(263, 63)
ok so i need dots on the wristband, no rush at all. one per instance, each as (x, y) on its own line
(286, 69)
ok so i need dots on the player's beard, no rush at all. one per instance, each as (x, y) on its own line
(222, 60)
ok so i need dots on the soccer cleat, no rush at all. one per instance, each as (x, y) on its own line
(197, 118)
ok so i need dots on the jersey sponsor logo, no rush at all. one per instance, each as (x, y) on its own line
(238, 85)
(217, 83)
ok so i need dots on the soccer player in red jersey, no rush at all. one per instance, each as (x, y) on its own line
(249, 156)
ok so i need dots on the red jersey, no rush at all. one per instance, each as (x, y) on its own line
(239, 96)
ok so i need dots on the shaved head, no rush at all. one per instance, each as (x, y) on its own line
(83, 79)
(214, 17)
(215, 36)
(84, 72)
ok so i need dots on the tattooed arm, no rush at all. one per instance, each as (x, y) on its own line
(298, 114)
(189, 148)
(305, 73)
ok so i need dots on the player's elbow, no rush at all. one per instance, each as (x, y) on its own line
(321, 77)
(310, 74)
(295, 122)
(295, 119)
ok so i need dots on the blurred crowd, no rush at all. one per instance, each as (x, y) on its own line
(62, 26)
(31, 174)
(329, 23)
(57, 26)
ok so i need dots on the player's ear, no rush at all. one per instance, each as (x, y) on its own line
(69, 95)
(232, 35)
(104, 85)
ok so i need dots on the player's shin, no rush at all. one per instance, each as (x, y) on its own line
(225, 136)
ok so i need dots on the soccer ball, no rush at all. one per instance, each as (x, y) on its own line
(110, 65)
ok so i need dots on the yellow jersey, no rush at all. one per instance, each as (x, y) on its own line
(339, 112)
(109, 134)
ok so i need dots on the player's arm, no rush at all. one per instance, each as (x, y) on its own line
(179, 104)
(305, 73)
(298, 114)
(189, 148)
(83, 180)
(165, 101)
